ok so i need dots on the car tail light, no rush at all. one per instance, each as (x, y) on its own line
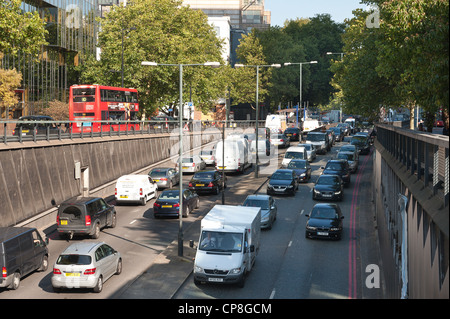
(141, 192)
(193, 164)
(163, 179)
(4, 272)
(90, 271)
(190, 184)
(115, 191)
(88, 220)
(176, 205)
(156, 205)
(56, 271)
(57, 220)
(210, 184)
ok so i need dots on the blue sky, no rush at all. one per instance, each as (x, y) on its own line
(292, 9)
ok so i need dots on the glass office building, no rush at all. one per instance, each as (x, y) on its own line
(72, 30)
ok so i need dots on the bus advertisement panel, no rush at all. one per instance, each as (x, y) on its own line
(117, 108)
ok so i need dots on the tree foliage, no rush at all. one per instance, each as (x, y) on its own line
(19, 30)
(167, 33)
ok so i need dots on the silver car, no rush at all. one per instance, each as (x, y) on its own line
(86, 265)
(280, 140)
(192, 164)
(268, 208)
(351, 159)
(208, 157)
(310, 151)
(164, 177)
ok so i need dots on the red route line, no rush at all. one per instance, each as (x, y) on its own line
(352, 233)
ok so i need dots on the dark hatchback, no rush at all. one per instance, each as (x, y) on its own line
(301, 168)
(338, 167)
(293, 133)
(362, 143)
(168, 203)
(283, 181)
(208, 182)
(324, 221)
(329, 187)
(338, 133)
(35, 124)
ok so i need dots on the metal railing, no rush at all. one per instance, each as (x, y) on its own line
(59, 130)
(425, 155)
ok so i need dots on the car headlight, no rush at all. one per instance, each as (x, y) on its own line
(334, 228)
(310, 227)
(316, 191)
(337, 193)
(269, 186)
(235, 271)
(302, 174)
(290, 186)
(198, 269)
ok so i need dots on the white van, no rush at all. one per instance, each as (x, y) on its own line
(352, 123)
(236, 157)
(228, 245)
(135, 188)
(311, 125)
(276, 123)
(294, 152)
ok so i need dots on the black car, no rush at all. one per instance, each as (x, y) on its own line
(362, 143)
(168, 203)
(35, 124)
(208, 181)
(293, 133)
(324, 221)
(338, 133)
(302, 169)
(85, 216)
(283, 181)
(338, 167)
(329, 187)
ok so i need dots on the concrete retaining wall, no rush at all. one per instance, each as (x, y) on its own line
(37, 176)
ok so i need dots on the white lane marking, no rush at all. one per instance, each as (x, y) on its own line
(133, 221)
(272, 294)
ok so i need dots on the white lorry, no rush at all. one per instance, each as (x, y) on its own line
(235, 156)
(228, 244)
(276, 123)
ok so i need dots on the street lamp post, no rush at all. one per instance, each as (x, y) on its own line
(300, 97)
(180, 115)
(257, 104)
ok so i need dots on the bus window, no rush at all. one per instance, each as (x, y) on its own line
(117, 115)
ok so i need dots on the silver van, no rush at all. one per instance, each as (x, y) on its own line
(22, 251)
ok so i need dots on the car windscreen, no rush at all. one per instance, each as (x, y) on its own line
(315, 137)
(282, 176)
(170, 195)
(204, 175)
(158, 173)
(327, 180)
(345, 156)
(187, 160)
(323, 213)
(293, 155)
(297, 164)
(71, 259)
(334, 166)
(264, 204)
(220, 241)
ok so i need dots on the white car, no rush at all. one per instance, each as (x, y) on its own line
(86, 265)
(192, 164)
(208, 157)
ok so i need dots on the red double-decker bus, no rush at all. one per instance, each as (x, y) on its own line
(117, 108)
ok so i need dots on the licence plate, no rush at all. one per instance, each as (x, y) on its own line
(215, 279)
(185, 167)
(123, 196)
(321, 233)
(279, 190)
(221, 167)
(63, 222)
(288, 134)
(326, 195)
(166, 206)
(72, 274)
(156, 180)
(199, 184)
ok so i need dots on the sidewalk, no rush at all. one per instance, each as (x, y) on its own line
(169, 271)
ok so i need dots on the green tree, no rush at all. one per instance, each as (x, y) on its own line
(243, 80)
(20, 31)
(167, 33)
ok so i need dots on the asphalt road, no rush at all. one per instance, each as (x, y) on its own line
(288, 265)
